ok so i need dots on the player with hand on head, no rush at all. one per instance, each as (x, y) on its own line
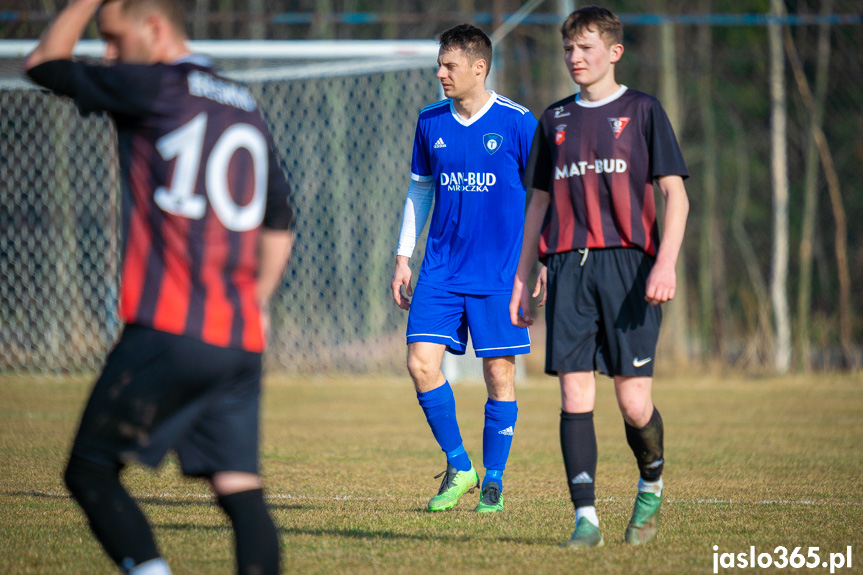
(469, 155)
(207, 234)
(592, 219)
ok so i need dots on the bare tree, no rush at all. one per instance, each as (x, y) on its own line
(810, 186)
(675, 338)
(846, 311)
(713, 288)
(760, 323)
(257, 24)
(322, 27)
(779, 170)
(199, 29)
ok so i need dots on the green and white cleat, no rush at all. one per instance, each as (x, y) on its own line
(645, 519)
(586, 534)
(491, 500)
(455, 484)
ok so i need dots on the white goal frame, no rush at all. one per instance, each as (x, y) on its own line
(314, 58)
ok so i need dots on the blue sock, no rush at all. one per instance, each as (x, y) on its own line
(500, 417)
(439, 408)
(495, 475)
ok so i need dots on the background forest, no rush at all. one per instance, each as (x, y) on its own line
(765, 97)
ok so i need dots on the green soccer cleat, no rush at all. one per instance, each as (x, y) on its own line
(645, 519)
(586, 534)
(455, 484)
(491, 500)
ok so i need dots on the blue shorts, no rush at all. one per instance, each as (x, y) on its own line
(160, 392)
(439, 316)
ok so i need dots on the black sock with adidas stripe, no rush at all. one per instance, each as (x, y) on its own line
(578, 444)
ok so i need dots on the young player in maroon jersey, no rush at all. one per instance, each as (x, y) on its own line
(207, 233)
(592, 219)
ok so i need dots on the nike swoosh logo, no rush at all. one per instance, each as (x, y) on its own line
(639, 362)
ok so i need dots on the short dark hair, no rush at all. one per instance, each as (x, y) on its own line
(470, 40)
(602, 20)
(171, 9)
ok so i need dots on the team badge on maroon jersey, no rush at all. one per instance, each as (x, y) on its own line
(560, 134)
(617, 125)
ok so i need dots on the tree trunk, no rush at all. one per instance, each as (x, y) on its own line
(762, 339)
(497, 74)
(322, 28)
(199, 28)
(226, 26)
(779, 171)
(391, 28)
(810, 186)
(560, 79)
(713, 291)
(675, 335)
(257, 25)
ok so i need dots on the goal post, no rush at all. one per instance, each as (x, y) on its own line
(343, 131)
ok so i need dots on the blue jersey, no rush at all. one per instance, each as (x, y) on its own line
(477, 165)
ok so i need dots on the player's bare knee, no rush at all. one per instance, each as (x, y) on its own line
(577, 393)
(421, 369)
(499, 374)
(636, 413)
(230, 482)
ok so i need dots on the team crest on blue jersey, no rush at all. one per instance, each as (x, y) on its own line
(492, 142)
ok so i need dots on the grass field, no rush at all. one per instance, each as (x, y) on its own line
(349, 465)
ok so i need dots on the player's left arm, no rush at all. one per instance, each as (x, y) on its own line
(59, 39)
(277, 233)
(527, 137)
(662, 280)
(274, 252)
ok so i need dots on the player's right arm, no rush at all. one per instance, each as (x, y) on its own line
(126, 90)
(417, 208)
(519, 303)
(60, 37)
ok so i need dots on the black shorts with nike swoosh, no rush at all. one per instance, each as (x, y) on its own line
(596, 317)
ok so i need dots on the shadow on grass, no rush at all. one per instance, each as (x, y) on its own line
(373, 535)
(365, 535)
(162, 501)
(359, 534)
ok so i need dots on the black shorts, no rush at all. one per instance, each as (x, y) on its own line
(160, 391)
(596, 317)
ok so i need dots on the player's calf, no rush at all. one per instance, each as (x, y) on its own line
(115, 518)
(257, 540)
(647, 446)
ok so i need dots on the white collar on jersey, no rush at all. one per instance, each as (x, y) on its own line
(476, 116)
(603, 102)
(198, 59)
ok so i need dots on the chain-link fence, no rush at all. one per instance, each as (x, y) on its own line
(708, 62)
(345, 141)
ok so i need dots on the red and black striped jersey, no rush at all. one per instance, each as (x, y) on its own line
(199, 178)
(598, 160)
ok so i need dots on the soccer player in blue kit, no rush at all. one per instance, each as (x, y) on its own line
(592, 219)
(469, 155)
